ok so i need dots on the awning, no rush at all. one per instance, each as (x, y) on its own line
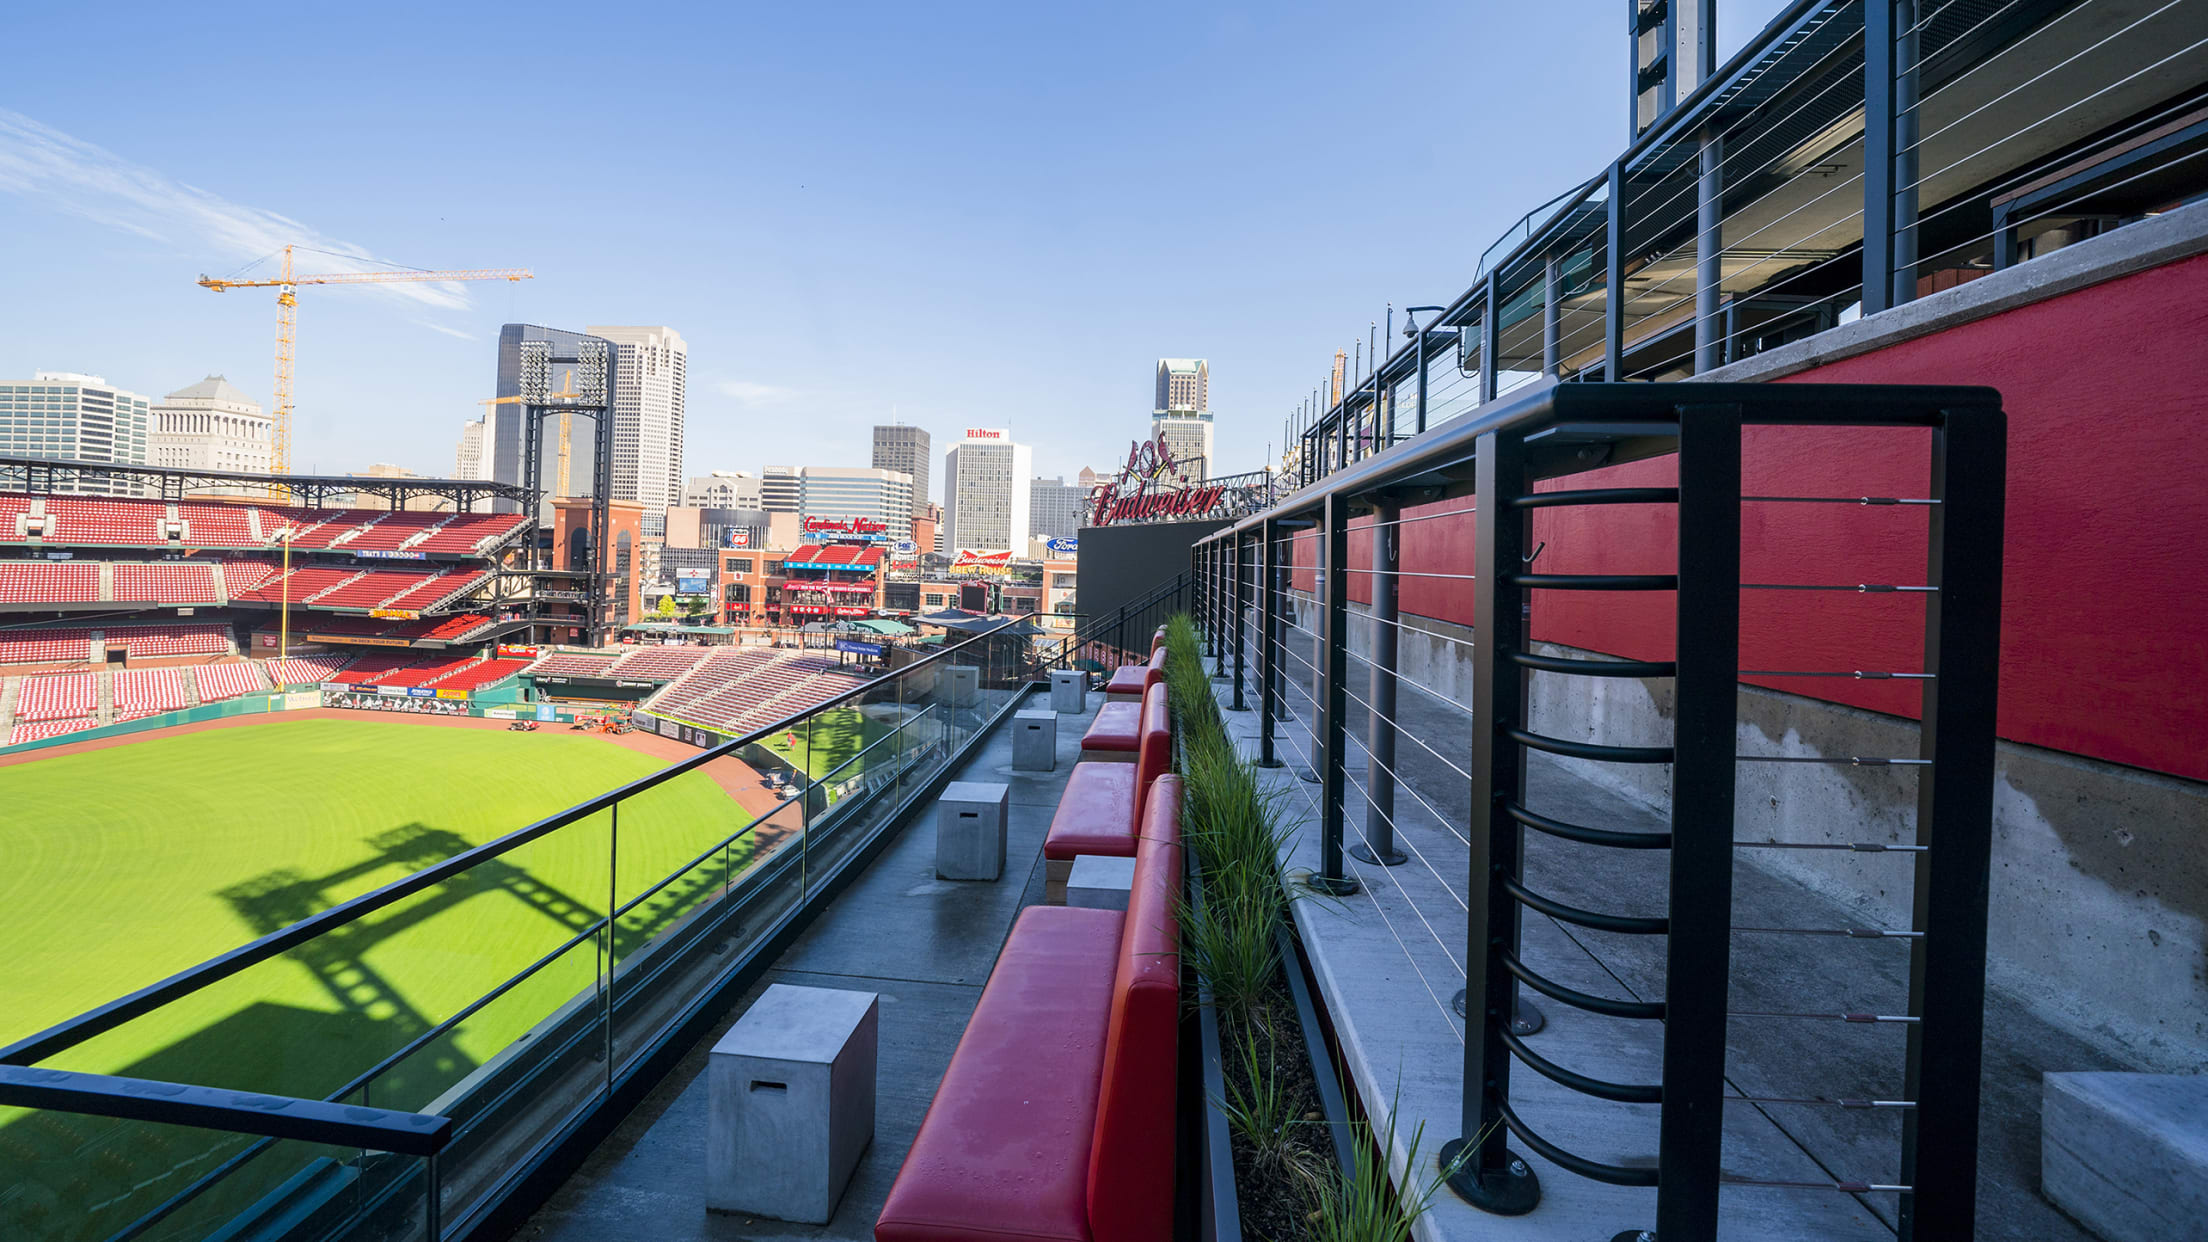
(824, 584)
(834, 556)
(892, 629)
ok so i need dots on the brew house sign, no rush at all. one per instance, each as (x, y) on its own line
(1139, 494)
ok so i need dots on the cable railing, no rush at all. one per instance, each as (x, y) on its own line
(496, 996)
(1438, 814)
(1858, 155)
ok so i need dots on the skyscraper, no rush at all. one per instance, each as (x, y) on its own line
(1055, 508)
(985, 492)
(1182, 417)
(651, 384)
(723, 489)
(507, 420)
(71, 417)
(778, 489)
(211, 425)
(902, 448)
(840, 493)
(472, 460)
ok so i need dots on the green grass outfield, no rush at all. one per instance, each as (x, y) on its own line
(128, 864)
(837, 736)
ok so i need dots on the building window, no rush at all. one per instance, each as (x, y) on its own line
(935, 599)
(739, 564)
(739, 593)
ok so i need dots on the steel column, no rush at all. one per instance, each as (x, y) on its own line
(1613, 296)
(1378, 847)
(1552, 315)
(1218, 609)
(1268, 639)
(1492, 1177)
(1690, 1133)
(1709, 247)
(1889, 153)
(1240, 611)
(1947, 961)
(1491, 337)
(1333, 696)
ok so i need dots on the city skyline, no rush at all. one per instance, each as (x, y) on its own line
(885, 187)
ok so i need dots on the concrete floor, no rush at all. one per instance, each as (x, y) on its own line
(1388, 960)
(925, 945)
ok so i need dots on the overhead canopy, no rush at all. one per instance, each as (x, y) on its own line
(834, 556)
(891, 629)
(949, 616)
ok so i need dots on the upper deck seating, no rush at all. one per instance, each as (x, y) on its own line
(45, 646)
(187, 638)
(218, 526)
(1055, 1120)
(49, 582)
(165, 582)
(90, 520)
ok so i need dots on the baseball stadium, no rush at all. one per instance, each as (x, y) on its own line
(293, 803)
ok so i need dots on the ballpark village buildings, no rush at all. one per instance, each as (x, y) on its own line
(903, 448)
(986, 480)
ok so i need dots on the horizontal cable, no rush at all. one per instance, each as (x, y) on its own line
(1836, 500)
(1853, 1188)
(1839, 1101)
(1595, 668)
(1585, 835)
(1852, 933)
(1573, 996)
(1594, 582)
(1593, 1170)
(1600, 1088)
(1858, 1019)
(1858, 674)
(1866, 588)
(1599, 496)
(1589, 750)
(1623, 924)
(1860, 847)
(1858, 761)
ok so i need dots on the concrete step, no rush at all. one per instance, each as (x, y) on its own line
(2127, 1154)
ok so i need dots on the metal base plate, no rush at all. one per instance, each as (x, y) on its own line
(1342, 887)
(1634, 1235)
(1525, 1017)
(1364, 853)
(1512, 1190)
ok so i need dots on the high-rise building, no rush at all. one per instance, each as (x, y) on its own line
(650, 372)
(385, 470)
(840, 493)
(507, 420)
(903, 448)
(1055, 508)
(212, 426)
(723, 489)
(985, 492)
(70, 417)
(778, 489)
(1181, 419)
(1184, 384)
(473, 458)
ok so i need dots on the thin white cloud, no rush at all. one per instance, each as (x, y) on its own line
(41, 163)
(753, 393)
(452, 332)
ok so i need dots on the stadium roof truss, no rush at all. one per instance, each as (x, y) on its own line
(38, 476)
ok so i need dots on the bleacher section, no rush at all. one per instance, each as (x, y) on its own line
(45, 646)
(58, 696)
(147, 691)
(124, 523)
(217, 682)
(145, 641)
(163, 582)
(219, 526)
(469, 534)
(33, 730)
(668, 662)
(476, 674)
(307, 670)
(370, 669)
(739, 691)
(575, 664)
(40, 582)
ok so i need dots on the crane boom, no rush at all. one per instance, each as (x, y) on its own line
(287, 321)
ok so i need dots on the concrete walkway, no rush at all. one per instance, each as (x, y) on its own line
(925, 945)
(1389, 962)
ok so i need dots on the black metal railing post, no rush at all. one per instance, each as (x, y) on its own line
(1697, 960)
(1268, 640)
(1240, 618)
(1613, 294)
(1333, 698)
(1378, 847)
(1219, 607)
(1947, 959)
(1488, 1174)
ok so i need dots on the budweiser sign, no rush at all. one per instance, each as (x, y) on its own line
(969, 561)
(1111, 505)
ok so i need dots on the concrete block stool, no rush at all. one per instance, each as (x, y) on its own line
(965, 685)
(970, 821)
(1035, 741)
(1069, 691)
(1100, 882)
(790, 1100)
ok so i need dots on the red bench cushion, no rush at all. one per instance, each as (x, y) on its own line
(1004, 1151)
(1096, 813)
(1118, 726)
(1129, 679)
(1131, 1172)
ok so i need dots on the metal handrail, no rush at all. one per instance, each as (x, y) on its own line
(221, 1108)
(72, 1031)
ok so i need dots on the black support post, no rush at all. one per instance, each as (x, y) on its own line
(1378, 847)
(1947, 960)
(1613, 295)
(1218, 609)
(1268, 643)
(1238, 620)
(1709, 249)
(1491, 1176)
(1552, 315)
(1491, 338)
(1333, 697)
(1889, 154)
(1697, 961)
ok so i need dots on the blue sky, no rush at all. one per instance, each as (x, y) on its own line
(968, 214)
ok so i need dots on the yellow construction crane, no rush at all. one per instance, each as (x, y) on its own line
(287, 321)
(567, 426)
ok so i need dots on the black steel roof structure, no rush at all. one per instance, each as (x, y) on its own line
(40, 475)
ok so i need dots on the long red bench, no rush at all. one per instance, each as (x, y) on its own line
(1115, 736)
(1132, 681)
(1100, 811)
(1055, 1120)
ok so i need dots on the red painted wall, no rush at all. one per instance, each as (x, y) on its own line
(2105, 602)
